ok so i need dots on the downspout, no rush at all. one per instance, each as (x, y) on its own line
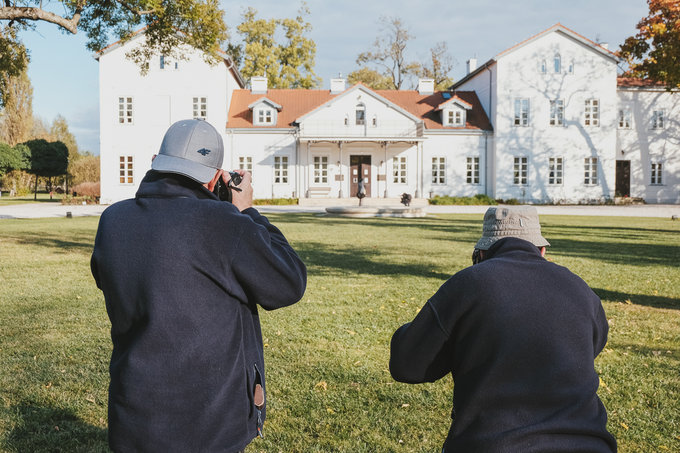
(297, 163)
(486, 139)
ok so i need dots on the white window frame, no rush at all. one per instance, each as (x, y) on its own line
(360, 120)
(570, 68)
(400, 170)
(125, 110)
(520, 171)
(656, 173)
(543, 67)
(557, 63)
(200, 107)
(625, 118)
(280, 170)
(264, 116)
(555, 171)
(522, 109)
(658, 119)
(126, 170)
(246, 163)
(472, 170)
(320, 169)
(592, 112)
(438, 170)
(557, 112)
(590, 171)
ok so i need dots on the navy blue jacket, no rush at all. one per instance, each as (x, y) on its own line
(519, 335)
(182, 274)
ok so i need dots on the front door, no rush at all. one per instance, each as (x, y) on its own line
(622, 178)
(359, 170)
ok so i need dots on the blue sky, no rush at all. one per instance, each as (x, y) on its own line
(65, 75)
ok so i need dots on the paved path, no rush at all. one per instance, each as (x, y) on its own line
(39, 210)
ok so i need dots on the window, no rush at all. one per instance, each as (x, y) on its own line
(125, 110)
(555, 168)
(521, 112)
(543, 68)
(126, 170)
(557, 63)
(374, 122)
(264, 116)
(246, 163)
(592, 112)
(657, 119)
(399, 170)
(557, 112)
(590, 171)
(570, 68)
(281, 169)
(200, 108)
(472, 175)
(360, 115)
(520, 171)
(625, 118)
(657, 173)
(163, 62)
(454, 117)
(167, 63)
(439, 170)
(320, 169)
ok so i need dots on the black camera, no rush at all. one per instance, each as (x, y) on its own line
(223, 190)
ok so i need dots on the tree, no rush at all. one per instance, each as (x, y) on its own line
(85, 169)
(389, 52)
(59, 131)
(371, 78)
(654, 51)
(289, 64)
(13, 158)
(48, 159)
(439, 67)
(198, 23)
(16, 117)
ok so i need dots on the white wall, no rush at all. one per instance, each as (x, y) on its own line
(593, 77)
(160, 98)
(642, 145)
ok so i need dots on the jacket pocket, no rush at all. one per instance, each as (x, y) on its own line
(259, 398)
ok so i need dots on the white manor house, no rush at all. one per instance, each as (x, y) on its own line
(545, 121)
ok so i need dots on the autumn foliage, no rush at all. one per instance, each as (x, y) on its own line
(654, 52)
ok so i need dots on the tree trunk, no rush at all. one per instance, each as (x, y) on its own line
(35, 193)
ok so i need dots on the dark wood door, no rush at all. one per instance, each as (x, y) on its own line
(359, 170)
(622, 178)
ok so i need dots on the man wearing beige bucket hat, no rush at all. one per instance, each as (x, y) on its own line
(519, 335)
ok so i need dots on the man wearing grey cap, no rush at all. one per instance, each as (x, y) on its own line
(519, 335)
(182, 274)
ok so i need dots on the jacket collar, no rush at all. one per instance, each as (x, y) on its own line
(170, 185)
(508, 245)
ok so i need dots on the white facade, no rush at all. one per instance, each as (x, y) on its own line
(544, 121)
(136, 110)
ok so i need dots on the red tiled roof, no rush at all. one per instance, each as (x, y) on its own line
(297, 103)
(635, 82)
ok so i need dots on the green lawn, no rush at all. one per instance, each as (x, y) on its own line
(329, 387)
(6, 200)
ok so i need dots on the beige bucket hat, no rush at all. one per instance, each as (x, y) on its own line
(511, 221)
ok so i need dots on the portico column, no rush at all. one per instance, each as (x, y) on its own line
(340, 168)
(309, 145)
(419, 166)
(384, 145)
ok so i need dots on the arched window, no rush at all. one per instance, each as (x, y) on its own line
(570, 69)
(360, 115)
(558, 63)
(543, 68)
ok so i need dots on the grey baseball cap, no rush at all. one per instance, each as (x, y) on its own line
(511, 221)
(191, 148)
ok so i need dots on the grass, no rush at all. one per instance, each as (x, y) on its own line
(329, 388)
(43, 197)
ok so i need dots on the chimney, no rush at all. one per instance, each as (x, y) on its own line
(425, 86)
(258, 85)
(471, 65)
(337, 85)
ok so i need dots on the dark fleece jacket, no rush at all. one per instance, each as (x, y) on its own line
(519, 335)
(182, 274)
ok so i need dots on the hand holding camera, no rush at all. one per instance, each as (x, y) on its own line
(235, 187)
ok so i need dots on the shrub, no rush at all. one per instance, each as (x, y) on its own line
(479, 199)
(87, 189)
(275, 201)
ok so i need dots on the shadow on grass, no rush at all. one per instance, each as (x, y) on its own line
(52, 429)
(355, 261)
(637, 254)
(638, 299)
(77, 243)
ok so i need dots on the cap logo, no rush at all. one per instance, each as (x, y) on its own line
(203, 151)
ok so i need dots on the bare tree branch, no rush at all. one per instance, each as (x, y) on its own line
(17, 12)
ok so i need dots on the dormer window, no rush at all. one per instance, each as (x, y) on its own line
(264, 116)
(454, 117)
(264, 112)
(557, 63)
(360, 115)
